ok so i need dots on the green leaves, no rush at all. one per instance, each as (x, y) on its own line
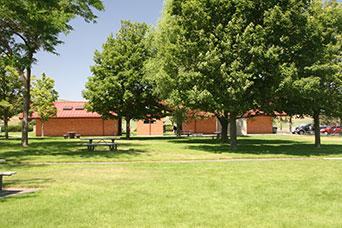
(43, 97)
(119, 83)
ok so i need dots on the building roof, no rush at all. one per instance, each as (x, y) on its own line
(71, 109)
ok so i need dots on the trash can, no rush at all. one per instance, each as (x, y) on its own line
(274, 130)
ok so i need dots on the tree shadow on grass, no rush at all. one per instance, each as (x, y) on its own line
(249, 146)
(14, 154)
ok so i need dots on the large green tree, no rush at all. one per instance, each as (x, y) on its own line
(10, 92)
(212, 56)
(43, 97)
(311, 79)
(28, 26)
(119, 84)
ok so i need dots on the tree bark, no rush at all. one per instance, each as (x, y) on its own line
(26, 107)
(179, 128)
(42, 129)
(6, 126)
(128, 128)
(317, 130)
(120, 126)
(233, 131)
(224, 128)
(290, 124)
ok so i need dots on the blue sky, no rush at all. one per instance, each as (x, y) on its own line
(70, 68)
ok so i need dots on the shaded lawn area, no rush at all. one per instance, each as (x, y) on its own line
(168, 148)
(233, 194)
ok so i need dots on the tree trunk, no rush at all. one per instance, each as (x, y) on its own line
(233, 131)
(42, 129)
(224, 128)
(317, 130)
(128, 128)
(290, 124)
(179, 128)
(6, 126)
(26, 107)
(120, 126)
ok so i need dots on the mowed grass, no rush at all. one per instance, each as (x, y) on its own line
(168, 148)
(230, 194)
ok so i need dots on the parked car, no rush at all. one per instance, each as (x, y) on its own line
(303, 129)
(331, 130)
(326, 130)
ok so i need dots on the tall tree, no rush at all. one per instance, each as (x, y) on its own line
(213, 57)
(118, 84)
(10, 93)
(43, 97)
(311, 79)
(30, 26)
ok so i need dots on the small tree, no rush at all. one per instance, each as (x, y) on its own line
(118, 84)
(43, 97)
(10, 93)
(28, 26)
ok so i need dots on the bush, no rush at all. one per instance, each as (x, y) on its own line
(17, 128)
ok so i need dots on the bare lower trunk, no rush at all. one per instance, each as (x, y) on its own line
(317, 130)
(224, 128)
(290, 124)
(179, 125)
(26, 108)
(128, 128)
(120, 126)
(42, 128)
(233, 132)
(6, 127)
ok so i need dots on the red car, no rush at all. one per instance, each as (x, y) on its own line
(331, 130)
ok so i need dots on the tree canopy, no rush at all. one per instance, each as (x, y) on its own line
(43, 97)
(118, 84)
(27, 26)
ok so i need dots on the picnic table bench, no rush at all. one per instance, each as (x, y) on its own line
(4, 174)
(94, 142)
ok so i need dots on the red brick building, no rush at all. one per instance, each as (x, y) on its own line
(251, 123)
(72, 117)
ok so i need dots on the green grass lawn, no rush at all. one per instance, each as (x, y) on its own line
(231, 194)
(168, 148)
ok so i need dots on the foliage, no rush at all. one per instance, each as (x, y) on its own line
(43, 97)
(311, 80)
(10, 92)
(214, 56)
(119, 84)
(28, 26)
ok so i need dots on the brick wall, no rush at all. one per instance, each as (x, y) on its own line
(148, 128)
(259, 125)
(83, 126)
(206, 126)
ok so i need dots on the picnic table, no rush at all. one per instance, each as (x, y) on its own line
(3, 174)
(93, 142)
(217, 134)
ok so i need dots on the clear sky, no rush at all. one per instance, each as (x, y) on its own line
(70, 68)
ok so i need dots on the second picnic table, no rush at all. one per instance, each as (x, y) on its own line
(97, 141)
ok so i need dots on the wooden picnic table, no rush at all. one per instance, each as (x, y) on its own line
(104, 141)
(3, 174)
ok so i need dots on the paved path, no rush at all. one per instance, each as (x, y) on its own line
(187, 161)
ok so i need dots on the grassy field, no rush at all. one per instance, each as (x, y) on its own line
(168, 148)
(203, 194)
